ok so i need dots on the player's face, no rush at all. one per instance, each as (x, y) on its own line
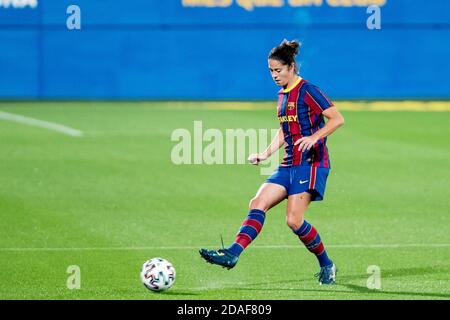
(280, 72)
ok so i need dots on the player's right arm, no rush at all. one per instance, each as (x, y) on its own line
(276, 144)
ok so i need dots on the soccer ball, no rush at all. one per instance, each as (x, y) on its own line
(158, 274)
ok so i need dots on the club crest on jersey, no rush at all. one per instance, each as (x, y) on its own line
(291, 105)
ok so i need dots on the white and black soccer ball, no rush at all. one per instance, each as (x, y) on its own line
(158, 274)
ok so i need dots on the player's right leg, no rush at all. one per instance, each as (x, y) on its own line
(268, 195)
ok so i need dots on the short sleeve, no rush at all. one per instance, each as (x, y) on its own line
(316, 99)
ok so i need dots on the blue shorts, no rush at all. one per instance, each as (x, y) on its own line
(298, 179)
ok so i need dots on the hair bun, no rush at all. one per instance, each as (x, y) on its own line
(291, 46)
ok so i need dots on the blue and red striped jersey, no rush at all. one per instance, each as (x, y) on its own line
(300, 114)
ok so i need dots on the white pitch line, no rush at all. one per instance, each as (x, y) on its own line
(349, 246)
(40, 123)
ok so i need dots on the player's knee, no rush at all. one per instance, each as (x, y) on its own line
(293, 222)
(257, 203)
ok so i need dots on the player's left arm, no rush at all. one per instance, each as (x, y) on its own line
(335, 120)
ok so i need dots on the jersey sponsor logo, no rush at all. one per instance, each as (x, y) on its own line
(303, 181)
(288, 118)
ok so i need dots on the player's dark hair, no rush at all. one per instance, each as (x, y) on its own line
(285, 52)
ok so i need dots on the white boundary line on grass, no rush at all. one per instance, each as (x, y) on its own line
(40, 123)
(361, 246)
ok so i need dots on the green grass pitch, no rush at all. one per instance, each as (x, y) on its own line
(111, 199)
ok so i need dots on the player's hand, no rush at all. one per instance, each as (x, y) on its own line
(256, 158)
(305, 143)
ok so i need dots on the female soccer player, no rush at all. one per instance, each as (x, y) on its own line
(302, 176)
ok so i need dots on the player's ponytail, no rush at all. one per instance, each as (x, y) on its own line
(286, 52)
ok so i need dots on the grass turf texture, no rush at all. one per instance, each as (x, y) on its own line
(112, 199)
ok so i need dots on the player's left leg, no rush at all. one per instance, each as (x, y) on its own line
(308, 235)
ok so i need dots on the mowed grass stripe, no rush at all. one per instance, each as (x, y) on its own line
(337, 246)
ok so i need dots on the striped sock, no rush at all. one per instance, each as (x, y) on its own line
(311, 239)
(250, 229)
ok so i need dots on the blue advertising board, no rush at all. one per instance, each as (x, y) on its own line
(217, 49)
